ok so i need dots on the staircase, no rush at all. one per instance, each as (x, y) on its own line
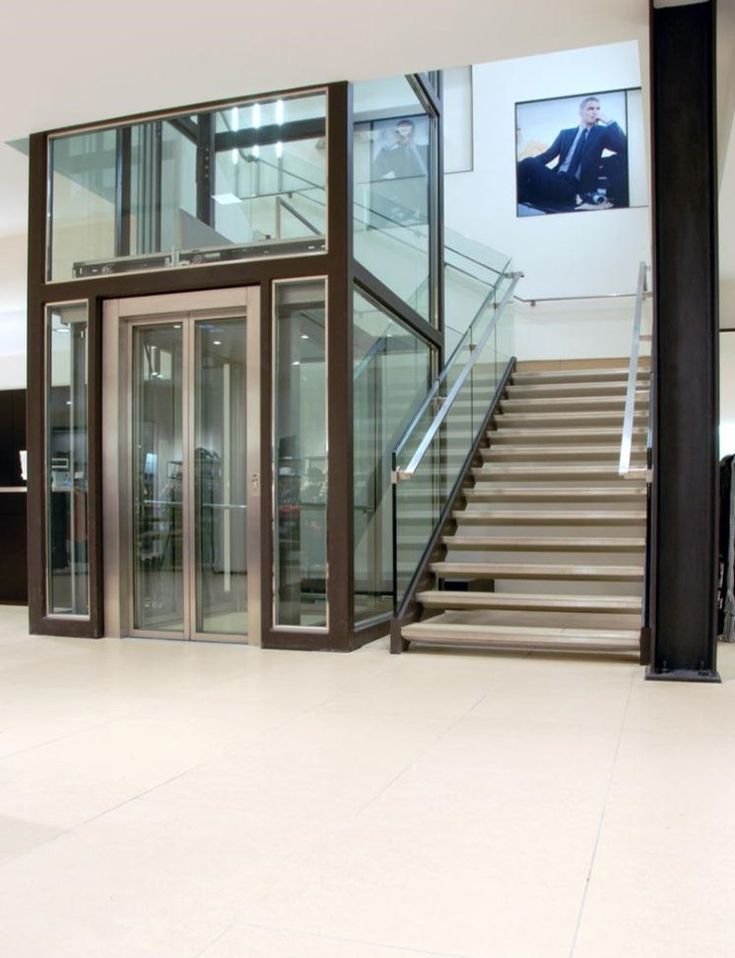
(546, 548)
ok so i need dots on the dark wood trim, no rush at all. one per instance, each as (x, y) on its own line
(35, 409)
(219, 276)
(122, 191)
(305, 641)
(182, 112)
(386, 298)
(686, 329)
(369, 632)
(406, 611)
(340, 504)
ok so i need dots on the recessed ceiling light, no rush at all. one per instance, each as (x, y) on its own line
(216, 342)
(295, 363)
(304, 336)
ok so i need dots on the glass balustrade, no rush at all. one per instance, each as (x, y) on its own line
(430, 457)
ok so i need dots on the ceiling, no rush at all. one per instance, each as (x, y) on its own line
(80, 61)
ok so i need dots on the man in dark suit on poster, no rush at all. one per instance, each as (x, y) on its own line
(574, 183)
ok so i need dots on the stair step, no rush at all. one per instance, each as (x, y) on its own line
(541, 452)
(579, 404)
(567, 418)
(623, 492)
(545, 543)
(550, 518)
(566, 390)
(528, 436)
(447, 599)
(524, 639)
(527, 570)
(499, 472)
(617, 374)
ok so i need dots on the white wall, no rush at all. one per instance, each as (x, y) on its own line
(561, 255)
(727, 394)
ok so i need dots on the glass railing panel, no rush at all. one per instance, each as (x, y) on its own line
(429, 457)
(182, 190)
(394, 149)
(485, 257)
(391, 374)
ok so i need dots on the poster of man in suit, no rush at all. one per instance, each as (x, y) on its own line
(572, 154)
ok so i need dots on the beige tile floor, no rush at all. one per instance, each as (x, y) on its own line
(174, 800)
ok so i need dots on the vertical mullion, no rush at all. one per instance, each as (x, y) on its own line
(340, 501)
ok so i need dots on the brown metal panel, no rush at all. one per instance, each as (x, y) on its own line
(684, 567)
(35, 412)
(340, 533)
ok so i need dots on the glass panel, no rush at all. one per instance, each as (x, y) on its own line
(244, 181)
(394, 212)
(300, 444)
(220, 477)
(66, 460)
(419, 500)
(391, 375)
(158, 478)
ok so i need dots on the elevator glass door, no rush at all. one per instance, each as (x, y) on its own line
(189, 470)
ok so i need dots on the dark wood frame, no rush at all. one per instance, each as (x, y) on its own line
(336, 263)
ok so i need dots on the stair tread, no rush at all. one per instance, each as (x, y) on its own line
(526, 637)
(573, 432)
(529, 601)
(546, 543)
(537, 570)
(623, 491)
(549, 517)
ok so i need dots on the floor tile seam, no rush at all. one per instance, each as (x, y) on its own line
(601, 822)
(303, 855)
(418, 952)
(65, 833)
(60, 738)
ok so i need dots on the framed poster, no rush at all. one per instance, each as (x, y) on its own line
(580, 153)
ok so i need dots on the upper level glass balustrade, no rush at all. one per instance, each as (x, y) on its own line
(184, 190)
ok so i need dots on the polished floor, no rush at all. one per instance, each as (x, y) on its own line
(177, 800)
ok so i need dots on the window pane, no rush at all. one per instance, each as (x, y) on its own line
(66, 460)
(300, 444)
(234, 183)
(394, 216)
(391, 375)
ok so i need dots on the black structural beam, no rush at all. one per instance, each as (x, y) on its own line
(684, 541)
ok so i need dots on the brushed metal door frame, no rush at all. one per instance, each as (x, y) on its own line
(120, 317)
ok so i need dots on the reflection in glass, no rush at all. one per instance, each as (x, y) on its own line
(242, 181)
(394, 162)
(220, 477)
(300, 444)
(67, 460)
(158, 478)
(391, 374)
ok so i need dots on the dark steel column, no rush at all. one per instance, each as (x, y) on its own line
(685, 302)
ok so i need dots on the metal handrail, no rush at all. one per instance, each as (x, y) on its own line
(626, 442)
(410, 470)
